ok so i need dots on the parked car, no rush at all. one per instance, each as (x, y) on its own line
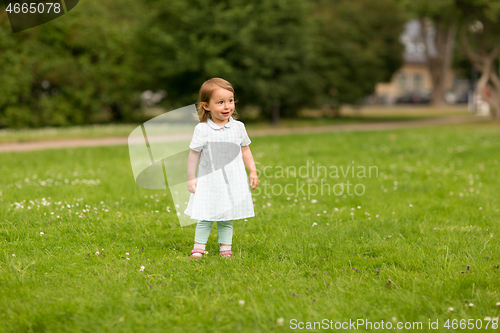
(456, 97)
(414, 98)
(462, 98)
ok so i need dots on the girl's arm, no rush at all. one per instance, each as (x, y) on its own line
(250, 164)
(193, 158)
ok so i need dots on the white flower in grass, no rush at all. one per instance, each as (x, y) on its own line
(97, 253)
(498, 304)
(487, 318)
(13, 254)
(450, 309)
(142, 268)
(471, 304)
(41, 233)
(314, 224)
(314, 201)
(411, 205)
(241, 302)
(128, 258)
(126, 253)
(280, 321)
(324, 212)
(269, 204)
(359, 207)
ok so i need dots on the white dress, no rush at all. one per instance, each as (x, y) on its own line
(222, 189)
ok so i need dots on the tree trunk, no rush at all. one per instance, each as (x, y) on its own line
(276, 113)
(336, 112)
(439, 45)
(488, 84)
(116, 111)
(494, 101)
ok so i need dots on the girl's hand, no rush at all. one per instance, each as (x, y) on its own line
(191, 185)
(254, 180)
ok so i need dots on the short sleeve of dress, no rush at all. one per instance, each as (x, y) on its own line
(197, 142)
(246, 140)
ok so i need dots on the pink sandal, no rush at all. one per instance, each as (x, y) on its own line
(203, 252)
(226, 253)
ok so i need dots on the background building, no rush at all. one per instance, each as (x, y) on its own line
(413, 83)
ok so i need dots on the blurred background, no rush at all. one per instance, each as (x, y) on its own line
(124, 62)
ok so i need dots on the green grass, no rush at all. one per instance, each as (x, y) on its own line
(63, 133)
(433, 211)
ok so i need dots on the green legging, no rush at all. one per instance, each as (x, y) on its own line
(203, 228)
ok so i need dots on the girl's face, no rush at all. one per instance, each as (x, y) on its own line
(221, 106)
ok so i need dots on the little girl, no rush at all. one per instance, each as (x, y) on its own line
(220, 191)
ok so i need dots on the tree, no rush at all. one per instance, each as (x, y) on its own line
(280, 55)
(263, 48)
(438, 19)
(480, 40)
(72, 69)
(357, 46)
(275, 61)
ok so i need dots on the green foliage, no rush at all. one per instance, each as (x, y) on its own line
(93, 63)
(441, 11)
(487, 12)
(263, 48)
(358, 46)
(70, 70)
(286, 53)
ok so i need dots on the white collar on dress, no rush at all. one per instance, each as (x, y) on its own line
(215, 126)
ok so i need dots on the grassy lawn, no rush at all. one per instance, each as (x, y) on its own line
(421, 239)
(308, 118)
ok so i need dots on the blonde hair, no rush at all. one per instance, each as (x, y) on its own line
(206, 91)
